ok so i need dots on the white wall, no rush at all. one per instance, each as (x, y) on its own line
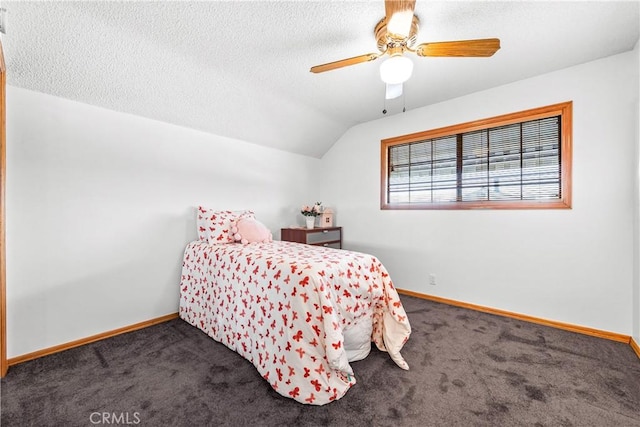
(636, 234)
(573, 266)
(100, 206)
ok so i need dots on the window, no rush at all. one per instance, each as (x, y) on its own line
(516, 161)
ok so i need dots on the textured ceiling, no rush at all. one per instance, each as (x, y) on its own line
(240, 69)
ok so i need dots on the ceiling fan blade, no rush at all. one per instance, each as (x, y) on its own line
(394, 6)
(344, 63)
(399, 16)
(479, 47)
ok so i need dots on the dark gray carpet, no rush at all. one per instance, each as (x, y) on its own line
(467, 369)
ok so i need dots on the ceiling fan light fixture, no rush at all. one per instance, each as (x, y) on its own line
(396, 69)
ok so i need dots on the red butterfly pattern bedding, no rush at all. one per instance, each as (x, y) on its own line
(283, 306)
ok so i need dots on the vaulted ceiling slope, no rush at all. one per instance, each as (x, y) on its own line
(240, 69)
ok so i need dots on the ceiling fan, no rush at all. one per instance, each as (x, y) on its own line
(396, 34)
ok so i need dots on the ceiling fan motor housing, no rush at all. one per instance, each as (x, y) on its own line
(386, 40)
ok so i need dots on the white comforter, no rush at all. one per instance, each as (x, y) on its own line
(284, 307)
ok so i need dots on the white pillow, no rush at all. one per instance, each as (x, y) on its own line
(215, 226)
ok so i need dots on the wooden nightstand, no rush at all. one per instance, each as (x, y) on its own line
(326, 236)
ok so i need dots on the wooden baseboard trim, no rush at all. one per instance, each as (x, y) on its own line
(634, 345)
(88, 340)
(559, 325)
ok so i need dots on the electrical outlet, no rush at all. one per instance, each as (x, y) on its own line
(432, 279)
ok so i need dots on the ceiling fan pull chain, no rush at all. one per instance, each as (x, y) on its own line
(404, 108)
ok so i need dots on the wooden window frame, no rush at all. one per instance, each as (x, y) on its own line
(564, 110)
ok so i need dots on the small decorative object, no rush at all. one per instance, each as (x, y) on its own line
(311, 212)
(326, 219)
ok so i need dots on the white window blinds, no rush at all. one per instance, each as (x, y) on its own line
(509, 162)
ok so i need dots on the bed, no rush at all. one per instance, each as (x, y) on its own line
(298, 313)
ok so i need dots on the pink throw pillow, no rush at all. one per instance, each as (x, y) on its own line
(250, 230)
